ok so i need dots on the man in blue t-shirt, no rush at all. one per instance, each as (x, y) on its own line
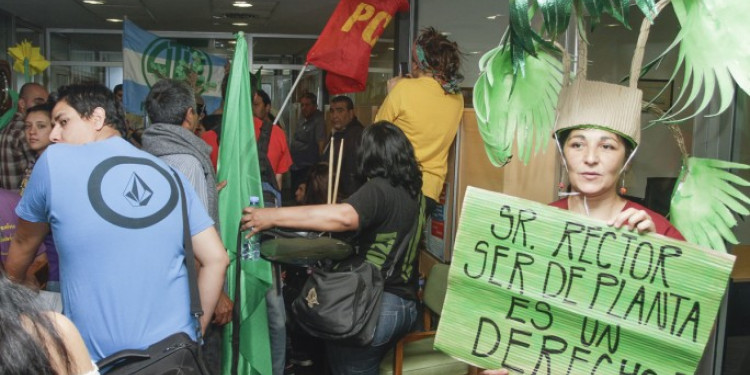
(117, 220)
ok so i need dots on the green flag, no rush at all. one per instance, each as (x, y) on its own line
(238, 165)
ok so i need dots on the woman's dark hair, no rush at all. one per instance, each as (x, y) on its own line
(46, 107)
(442, 55)
(27, 333)
(386, 152)
(316, 185)
(85, 97)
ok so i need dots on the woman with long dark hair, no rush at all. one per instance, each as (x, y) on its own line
(382, 212)
(36, 342)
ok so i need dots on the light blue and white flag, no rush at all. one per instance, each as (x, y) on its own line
(149, 58)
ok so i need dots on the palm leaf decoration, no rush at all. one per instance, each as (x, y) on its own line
(705, 199)
(518, 107)
(556, 16)
(713, 49)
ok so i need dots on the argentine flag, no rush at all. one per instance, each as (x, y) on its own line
(149, 58)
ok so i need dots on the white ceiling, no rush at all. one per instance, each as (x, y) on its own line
(465, 21)
(265, 16)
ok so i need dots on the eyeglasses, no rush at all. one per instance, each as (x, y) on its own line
(200, 109)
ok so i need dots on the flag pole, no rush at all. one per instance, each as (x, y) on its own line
(291, 91)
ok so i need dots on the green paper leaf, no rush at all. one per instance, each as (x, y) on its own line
(594, 9)
(556, 15)
(713, 50)
(521, 25)
(518, 108)
(647, 7)
(704, 202)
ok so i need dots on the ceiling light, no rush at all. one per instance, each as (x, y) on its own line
(232, 42)
(373, 55)
(445, 33)
(242, 4)
(391, 49)
(494, 16)
(474, 52)
(93, 2)
(116, 20)
(239, 23)
(613, 24)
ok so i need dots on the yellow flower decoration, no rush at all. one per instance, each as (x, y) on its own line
(28, 59)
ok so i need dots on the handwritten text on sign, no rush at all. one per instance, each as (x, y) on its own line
(539, 290)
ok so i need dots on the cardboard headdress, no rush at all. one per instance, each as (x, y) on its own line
(523, 94)
(600, 105)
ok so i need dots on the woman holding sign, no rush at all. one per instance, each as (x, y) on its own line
(597, 141)
(382, 213)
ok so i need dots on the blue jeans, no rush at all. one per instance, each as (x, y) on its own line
(397, 318)
(276, 324)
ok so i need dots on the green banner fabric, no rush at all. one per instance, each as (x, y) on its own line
(238, 165)
(539, 290)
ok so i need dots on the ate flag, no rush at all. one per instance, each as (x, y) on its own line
(343, 48)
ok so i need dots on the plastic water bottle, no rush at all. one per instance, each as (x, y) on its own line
(251, 246)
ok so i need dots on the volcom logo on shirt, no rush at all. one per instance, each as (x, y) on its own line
(137, 192)
(118, 192)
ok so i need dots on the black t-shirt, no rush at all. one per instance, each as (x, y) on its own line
(386, 217)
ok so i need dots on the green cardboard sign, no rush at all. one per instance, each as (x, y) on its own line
(539, 290)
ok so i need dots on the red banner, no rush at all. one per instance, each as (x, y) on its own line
(343, 48)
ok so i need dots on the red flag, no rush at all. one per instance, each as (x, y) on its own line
(343, 48)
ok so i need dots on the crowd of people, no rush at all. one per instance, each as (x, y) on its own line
(94, 213)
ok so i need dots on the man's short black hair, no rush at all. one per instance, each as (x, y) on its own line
(117, 88)
(86, 97)
(308, 95)
(343, 99)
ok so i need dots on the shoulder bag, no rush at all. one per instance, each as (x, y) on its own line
(342, 303)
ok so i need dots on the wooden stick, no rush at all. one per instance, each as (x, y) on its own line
(330, 169)
(338, 171)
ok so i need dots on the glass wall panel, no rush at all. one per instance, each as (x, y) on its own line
(85, 47)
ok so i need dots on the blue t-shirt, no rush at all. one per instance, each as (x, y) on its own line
(116, 216)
